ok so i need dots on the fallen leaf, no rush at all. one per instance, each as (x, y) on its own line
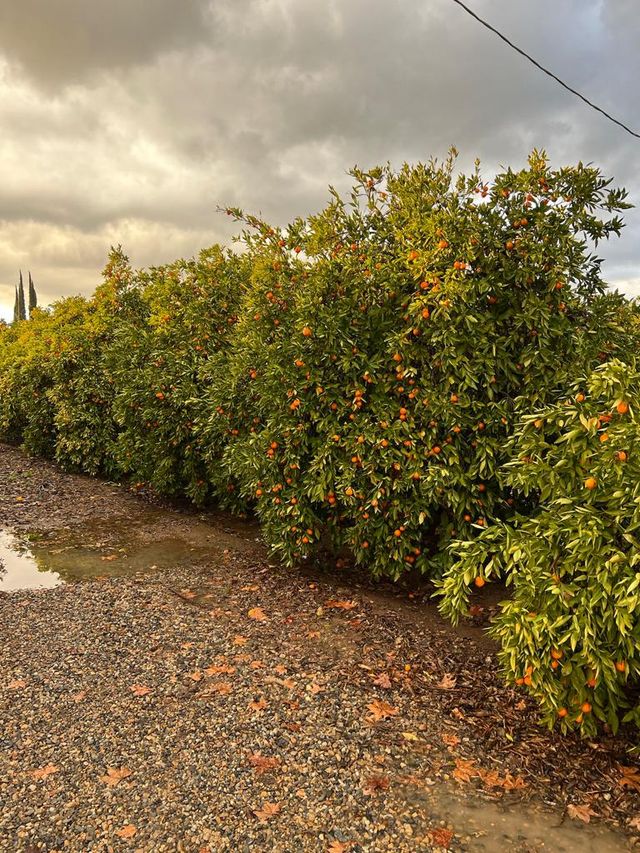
(512, 783)
(196, 676)
(239, 640)
(127, 831)
(374, 784)
(381, 710)
(630, 777)
(188, 593)
(441, 837)
(220, 669)
(342, 605)
(256, 664)
(186, 646)
(114, 775)
(110, 558)
(450, 740)
(258, 705)
(78, 697)
(410, 736)
(464, 770)
(314, 688)
(262, 763)
(383, 681)
(339, 847)
(258, 614)
(267, 811)
(221, 687)
(18, 684)
(447, 681)
(140, 690)
(280, 669)
(45, 771)
(583, 812)
(634, 822)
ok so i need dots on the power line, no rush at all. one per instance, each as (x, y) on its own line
(545, 70)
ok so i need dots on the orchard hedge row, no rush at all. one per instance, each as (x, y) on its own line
(365, 380)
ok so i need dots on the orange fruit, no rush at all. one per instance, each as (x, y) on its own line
(621, 456)
(479, 582)
(604, 437)
(585, 708)
(442, 244)
(580, 398)
(590, 483)
(557, 654)
(454, 398)
(622, 407)
(426, 313)
(307, 332)
(509, 245)
(621, 666)
(562, 712)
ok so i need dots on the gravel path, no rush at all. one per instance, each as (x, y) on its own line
(233, 706)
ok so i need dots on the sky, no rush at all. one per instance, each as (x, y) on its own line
(130, 122)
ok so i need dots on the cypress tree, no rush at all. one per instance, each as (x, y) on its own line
(33, 296)
(16, 308)
(22, 309)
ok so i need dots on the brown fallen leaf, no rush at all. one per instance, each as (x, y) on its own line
(447, 681)
(267, 811)
(464, 770)
(188, 593)
(280, 669)
(221, 687)
(383, 681)
(374, 784)
(634, 822)
(314, 688)
(263, 763)
(110, 558)
(196, 676)
(449, 739)
(45, 771)
(258, 614)
(441, 837)
(220, 669)
(78, 697)
(17, 684)
(239, 640)
(339, 846)
(140, 690)
(186, 646)
(127, 831)
(258, 705)
(582, 812)
(256, 664)
(115, 775)
(381, 710)
(630, 777)
(342, 605)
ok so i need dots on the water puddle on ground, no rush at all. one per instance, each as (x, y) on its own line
(152, 541)
(518, 827)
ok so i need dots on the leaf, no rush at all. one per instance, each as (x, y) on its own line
(18, 684)
(441, 837)
(221, 687)
(114, 775)
(339, 846)
(196, 676)
(80, 696)
(267, 811)
(447, 682)
(258, 614)
(239, 640)
(464, 770)
(375, 784)
(634, 822)
(630, 777)
(263, 763)
(342, 605)
(381, 710)
(127, 831)
(258, 705)
(410, 736)
(450, 740)
(220, 669)
(110, 558)
(383, 681)
(140, 690)
(45, 771)
(583, 812)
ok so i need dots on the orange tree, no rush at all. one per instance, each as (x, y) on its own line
(386, 347)
(570, 634)
(168, 340)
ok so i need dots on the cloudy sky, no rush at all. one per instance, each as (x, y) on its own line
(129, 121)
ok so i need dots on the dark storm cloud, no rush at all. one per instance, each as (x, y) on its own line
(129, 122)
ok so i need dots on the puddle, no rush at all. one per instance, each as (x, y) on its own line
(153, 541)
(488, 827)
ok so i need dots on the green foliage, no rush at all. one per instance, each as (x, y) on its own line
(571, 631)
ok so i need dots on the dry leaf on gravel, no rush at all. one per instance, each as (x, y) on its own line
(114, 775)
(464, 770)
(258, 614)
(630, 777)
(383, 681)
(78, 697)
(127, 831)
(45, 771)
(381, 710)
(110, 558)
(634, 823)
(449, 740)
(258, 705)
(140, 690)
(267, 811)
(221, 687)
(239, 640)
(339, 846)
(263, 763)
(582, 812)
(219, 670)
(441, 837)
(374, 784)
(342, 605)
(18, 684)
(196, 676)
(447, 681)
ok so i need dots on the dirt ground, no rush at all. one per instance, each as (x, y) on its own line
(187, 694)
